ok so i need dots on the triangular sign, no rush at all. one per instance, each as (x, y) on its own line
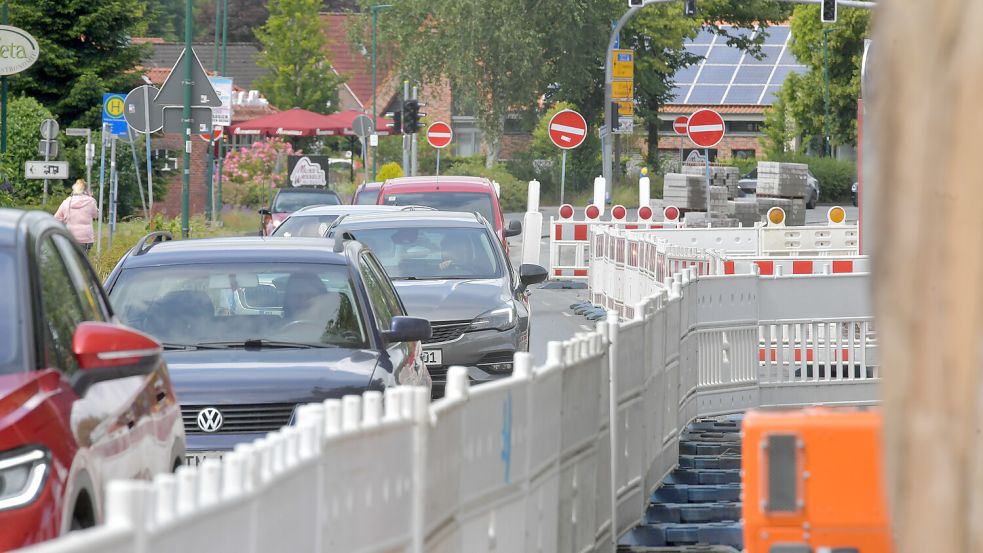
(202, 92)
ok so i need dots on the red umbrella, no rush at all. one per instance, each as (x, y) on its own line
(341, 124)
(294, 122)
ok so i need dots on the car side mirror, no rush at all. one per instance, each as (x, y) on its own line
(530, 274)
(514, 228)
(108, 352)
(265, 211)
(407, 329)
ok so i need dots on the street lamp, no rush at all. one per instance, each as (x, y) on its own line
(375, 20)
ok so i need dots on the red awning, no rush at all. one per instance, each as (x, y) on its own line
(294, 122)
(341, 124)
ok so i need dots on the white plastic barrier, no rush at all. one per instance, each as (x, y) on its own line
(559, 457)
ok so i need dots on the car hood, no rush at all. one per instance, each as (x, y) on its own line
(451, 300)
(232, 376)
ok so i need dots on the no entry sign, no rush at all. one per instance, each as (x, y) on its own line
(705, 128)
(439, 135)
(568, 129)
(680, 125)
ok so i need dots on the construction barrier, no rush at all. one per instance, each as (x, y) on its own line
(557, 457)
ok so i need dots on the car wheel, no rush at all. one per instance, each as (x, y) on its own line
(82, 516)
(813, 199)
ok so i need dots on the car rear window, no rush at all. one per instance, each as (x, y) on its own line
(419, 253)
(191, 305)
(366, 197)
(307, 226)
(10, 354)
(288, 202)
(447, 201)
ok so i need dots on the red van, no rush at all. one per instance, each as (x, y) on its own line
(469, 194)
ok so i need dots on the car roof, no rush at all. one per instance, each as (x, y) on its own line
(414, 219)
(306, 189)
(237, 250)
(369, 185)
(452, 184)
(343, 209)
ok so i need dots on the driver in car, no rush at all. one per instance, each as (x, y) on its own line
(457, 255)
(304, 294)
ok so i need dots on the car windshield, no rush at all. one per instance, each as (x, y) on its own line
(308, 226)
(292, 201)
(413, 253)
(9, 319)
(367, 197)
(447, 201)
(229, 304)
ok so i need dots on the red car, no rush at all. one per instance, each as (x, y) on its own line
(469, 194)
(83, 400)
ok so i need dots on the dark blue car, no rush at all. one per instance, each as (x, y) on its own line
(252, 327)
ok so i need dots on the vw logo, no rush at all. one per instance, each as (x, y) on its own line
(209, 419)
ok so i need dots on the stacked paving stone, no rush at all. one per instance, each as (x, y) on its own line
(685, 191)
(744, 211)
(782, 180)
(718, 200)
(720, 175)
(795, 209)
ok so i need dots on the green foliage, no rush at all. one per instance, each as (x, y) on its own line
(252, 172)
(244, 17)
(24, 117)
(802, 96)
(835, 176)
(85, 51)
(513, 191)
(744, 165)
(300, 74)
(388, 171)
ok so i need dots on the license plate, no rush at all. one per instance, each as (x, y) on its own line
(433, 357)
(198, 457)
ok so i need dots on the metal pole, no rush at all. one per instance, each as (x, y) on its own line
(89, 155)
(826, 144)
(150, 169)
(563, 175)
(225, 34)
(186, 177)
(102, 179)
(3, 93)
(365, 155)
(438, 162)
(413, 145)
(606, 157)
(218, 27)
(112, 190)
(210, 198)
(406, 151)
(136, 169)
(706, 157)
(47, 157)
(218, 183)
(375, 109)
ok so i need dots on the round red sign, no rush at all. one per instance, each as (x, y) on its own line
(680, 124)
(705, 128)
(439, 135)
(568, 129)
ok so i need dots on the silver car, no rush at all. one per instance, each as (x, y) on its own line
(450, 268)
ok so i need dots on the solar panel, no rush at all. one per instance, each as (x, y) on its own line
(727, 75)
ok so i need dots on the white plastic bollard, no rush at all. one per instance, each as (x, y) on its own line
(644, 192)
(457, 382)
(522, 365)
(393, 399)
(187, 480)
(371, 408)
(532, 203)
(209, 482)
(600, 191)
(165, 485)
(232, 474)
(332, 417)
(532, 237)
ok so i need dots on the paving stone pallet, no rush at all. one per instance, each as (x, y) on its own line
(795, 209)
(685, 191)
(782, 180)
(698, 506)
(720, 175)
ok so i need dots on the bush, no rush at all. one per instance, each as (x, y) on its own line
(388, 171)
(835, 176)
(251, 172)
(514, 192)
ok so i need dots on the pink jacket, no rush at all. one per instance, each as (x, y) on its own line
(77, 212)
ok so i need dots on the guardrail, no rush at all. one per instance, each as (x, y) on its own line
(528, 463)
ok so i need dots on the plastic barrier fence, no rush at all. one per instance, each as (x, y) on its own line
(528, 463)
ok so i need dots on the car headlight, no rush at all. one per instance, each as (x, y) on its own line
(22, 474)
(502, 318)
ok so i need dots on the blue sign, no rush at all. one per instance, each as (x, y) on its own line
(112, 113)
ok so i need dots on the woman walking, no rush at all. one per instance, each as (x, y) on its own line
(77, 212)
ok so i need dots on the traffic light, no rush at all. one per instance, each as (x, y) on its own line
(614, 114)
(411, 116)
(397, 124)
(689, 8)
(829, 11)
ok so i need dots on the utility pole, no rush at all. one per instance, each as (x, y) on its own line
(3, 91)
(827, 147)
(221, 142)
(375, 109)
(413, 143)
(406, 149)
(210, 168)
(186, 177)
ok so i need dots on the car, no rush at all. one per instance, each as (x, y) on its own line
(450, 193)
(314, 221)
(748, 185)
(83, 399)
(367, 193)
(853, 194)
(252, 327)
(288, 200)
(451, 269)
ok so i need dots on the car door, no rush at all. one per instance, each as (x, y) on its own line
(406, 366)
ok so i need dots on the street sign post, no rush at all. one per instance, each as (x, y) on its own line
(48, 147)
(203, 94)
(362, 127)
(173, 119)
(567, 130)
(140, 112)
(90, 153)
(439, 135)
(112, 113)
(44, 170)
(706, 130)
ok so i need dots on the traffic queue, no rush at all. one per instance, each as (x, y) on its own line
(191, 347)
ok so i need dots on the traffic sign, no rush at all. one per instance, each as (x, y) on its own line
(623, 64)
(203, 94)
(622, 90)
(48, 148)
(112, 113)
(626, 108)
(216, 134)
(201, 119)
(222, 115)
(680, 125)
(705, 128)
(135, 109)
(439, 135)
(362, 126)
(49, 129)
(38, 170)
(568, 129)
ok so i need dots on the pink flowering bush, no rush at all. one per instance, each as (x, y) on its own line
(250, 172)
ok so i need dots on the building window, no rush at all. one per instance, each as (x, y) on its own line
(744, 127)
(467, 140)
(743, 154)
(665, 127)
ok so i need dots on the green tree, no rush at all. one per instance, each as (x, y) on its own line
(24, 117)
(85, 51)
(803, 95)
(300, 73)
(245, 17)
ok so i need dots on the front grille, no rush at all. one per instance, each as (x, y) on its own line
(447, 331)
(260, 417)
(438, 374)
